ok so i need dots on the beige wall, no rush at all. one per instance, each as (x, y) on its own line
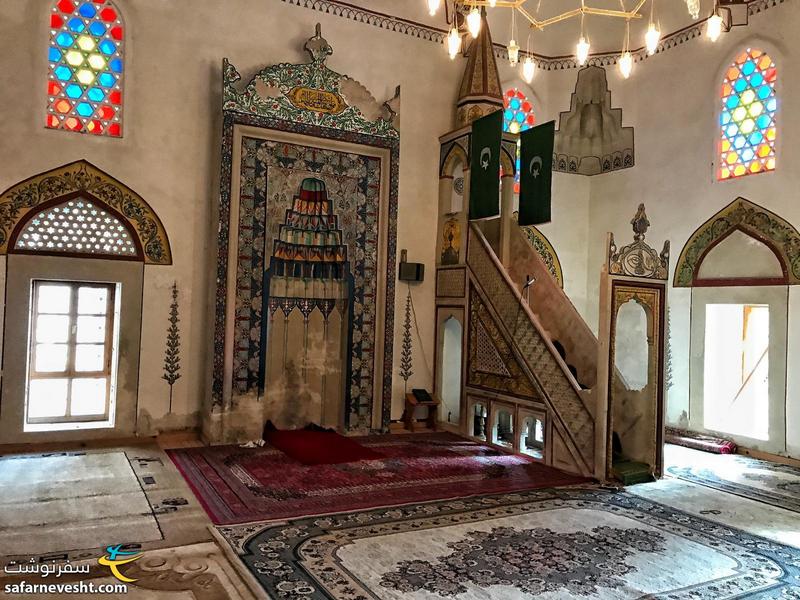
(170, 152)
(671, 100)
(22, 270)
(170, 155)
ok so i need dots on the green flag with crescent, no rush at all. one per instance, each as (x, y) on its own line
(536, 174)
(484, 170)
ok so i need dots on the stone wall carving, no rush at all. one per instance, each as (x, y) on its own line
(638, 259)
(306, 99)
(591, 139)
(311, 93)
(545, 250)
(451, 283)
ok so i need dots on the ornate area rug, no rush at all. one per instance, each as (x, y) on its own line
(237, 485)
(568, 543)
(763, 481)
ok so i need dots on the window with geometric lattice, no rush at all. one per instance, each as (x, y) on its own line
(86, 65)
(76, 226)
(748, 106)
(517, 117)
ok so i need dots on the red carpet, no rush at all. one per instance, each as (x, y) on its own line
(318, 447)
(699, 441)
(238, 485)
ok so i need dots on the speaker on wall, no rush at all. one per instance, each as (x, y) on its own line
(409, 271)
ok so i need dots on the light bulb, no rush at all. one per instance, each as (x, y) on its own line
(492, 3)
(513, 53)
(433, 6)
(626, 64)
(453, 43)
(714, 27)
(651, 38)
(694, 8)
(528, 69)
(474, 22)
(582, 50)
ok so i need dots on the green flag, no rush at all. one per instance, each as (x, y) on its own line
(536, 174)
(484, 170)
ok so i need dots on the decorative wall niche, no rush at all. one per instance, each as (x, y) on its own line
(116, 205)
(734, 224)
(336, 134)
(591, 139)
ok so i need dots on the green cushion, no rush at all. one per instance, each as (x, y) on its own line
(630, 472)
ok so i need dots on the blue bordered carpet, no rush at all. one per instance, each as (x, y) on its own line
(568, 543)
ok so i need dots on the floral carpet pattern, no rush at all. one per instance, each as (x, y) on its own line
(555, 543)
(237, 485)
(767, 482)
(534, 561)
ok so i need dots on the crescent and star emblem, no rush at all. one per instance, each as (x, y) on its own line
(486, 156)
(536, 166)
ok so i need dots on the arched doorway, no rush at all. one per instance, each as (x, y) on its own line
(450, 383)
(740, 264)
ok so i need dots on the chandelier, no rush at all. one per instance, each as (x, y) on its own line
(472, 22)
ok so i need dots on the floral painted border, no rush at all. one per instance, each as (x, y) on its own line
(752, 219)
(20, 200)
(270, 93)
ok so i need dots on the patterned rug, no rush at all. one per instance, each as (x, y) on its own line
(568, 543)
(763, 481)
(237, 485)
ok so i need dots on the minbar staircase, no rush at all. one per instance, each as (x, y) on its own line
(556, 349)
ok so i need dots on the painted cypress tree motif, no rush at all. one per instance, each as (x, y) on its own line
(406, 355)
(668, 353)
(172, 357)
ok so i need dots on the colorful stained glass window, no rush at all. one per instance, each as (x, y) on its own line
(517, 117)
(86, 56)
(747, 116)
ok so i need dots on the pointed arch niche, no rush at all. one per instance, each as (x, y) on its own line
(81, 240)
(766, 247)
(739, 265)
(60, 190)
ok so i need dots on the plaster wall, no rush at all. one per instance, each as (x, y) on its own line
(671, 100)
(569, 227)
(170, 151)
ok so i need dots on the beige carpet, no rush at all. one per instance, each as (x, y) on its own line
(71, 501)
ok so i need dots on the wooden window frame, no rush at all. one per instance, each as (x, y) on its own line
(70, 373)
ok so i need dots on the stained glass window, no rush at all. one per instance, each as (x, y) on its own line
(86, 57)
(747, 116)
(517, 117)
(76, 226)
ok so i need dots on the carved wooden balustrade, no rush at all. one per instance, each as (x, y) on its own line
(571, 408)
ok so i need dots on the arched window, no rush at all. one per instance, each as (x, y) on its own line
(77, 226)
(86, 56)
(747, 116)
(517, 117)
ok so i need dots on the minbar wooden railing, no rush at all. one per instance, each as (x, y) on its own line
(571, 407)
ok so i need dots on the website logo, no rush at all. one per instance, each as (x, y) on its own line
(116, 557)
